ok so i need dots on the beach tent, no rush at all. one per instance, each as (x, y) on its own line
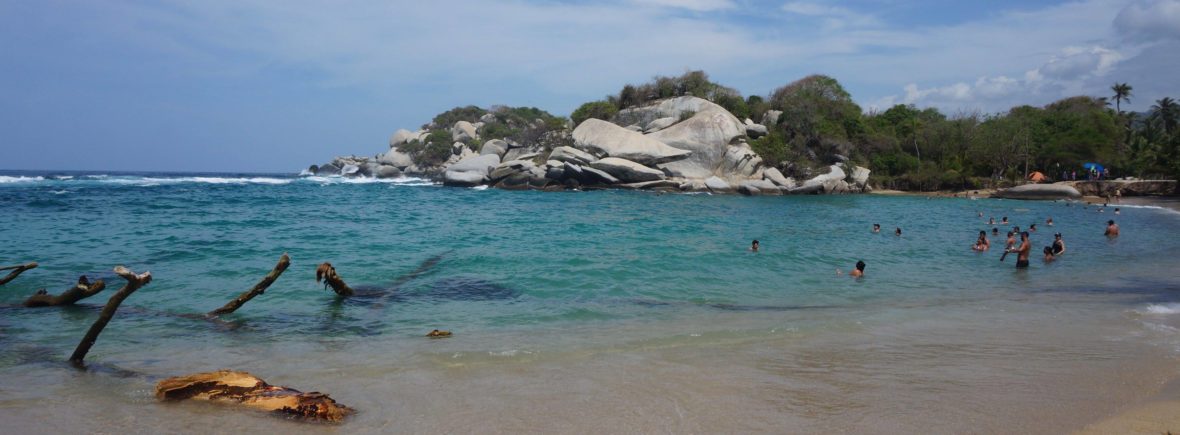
(1094, 166)
(1036, 177)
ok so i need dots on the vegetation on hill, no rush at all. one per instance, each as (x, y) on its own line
(521, 125)
(923, 149)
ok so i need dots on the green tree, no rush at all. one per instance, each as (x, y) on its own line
(603, 110)
(1166, 113)
(1122, 92)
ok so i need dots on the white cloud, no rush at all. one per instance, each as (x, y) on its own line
(832, 17)
(692, 5)
(1150, 20)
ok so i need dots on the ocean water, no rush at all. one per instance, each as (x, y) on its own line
(603, 311)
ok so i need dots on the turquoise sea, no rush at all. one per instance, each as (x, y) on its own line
(586, 312)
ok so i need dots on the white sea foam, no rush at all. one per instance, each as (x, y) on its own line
(1162, 309)
(157, 181)
(4, 179)
(402, 181)
(480, 187)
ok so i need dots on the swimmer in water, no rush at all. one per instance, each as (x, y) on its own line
(1032, 228)
(859, 271)
(991, 221)
(981, 244)
(754, 246)
(1049, 221)
(897, 232)
(995, 231)
(1112, 229)
(1048, 254)
(876, 228)
(1116, 211)
(1004, 221)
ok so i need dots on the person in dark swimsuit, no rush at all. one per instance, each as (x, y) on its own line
(1058, 245)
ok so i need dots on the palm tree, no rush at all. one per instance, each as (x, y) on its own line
(1166, 112)
(1122, 92)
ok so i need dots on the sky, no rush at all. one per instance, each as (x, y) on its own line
(274, 86)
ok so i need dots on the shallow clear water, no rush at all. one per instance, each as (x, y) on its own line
(583, 311)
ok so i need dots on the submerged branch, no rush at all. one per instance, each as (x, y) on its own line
(134, 282)
(258, 289)
(82, 290)
(16, 271)
(326, 273)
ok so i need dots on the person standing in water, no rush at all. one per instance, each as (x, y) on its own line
(1022, 251)
(1058, 244)
(859, 271)
(1112, 229)
(1049, 257)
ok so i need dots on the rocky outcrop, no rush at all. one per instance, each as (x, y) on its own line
(627, 171)
(603, 138)
(1039, 191)
(691, 145)
(1126, 187)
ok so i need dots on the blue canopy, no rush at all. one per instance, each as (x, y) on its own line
(1094, 166)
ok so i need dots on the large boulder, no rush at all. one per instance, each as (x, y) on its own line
(470, 171)
(463, 130)
(860, 176)
(755, 131)
(660, 124)
(571, 155)
(831, 182)
(759, 187)
(402, 136)
(463, 179)
(511, 167)
(706, 134)
(603, 138)
(775, 176)
(771, 117)
(596, 176)
(387, 171)
(494, 146)
(395, 158)
(1039, 191)
(717, 185)
(740, 160)
(626, 170)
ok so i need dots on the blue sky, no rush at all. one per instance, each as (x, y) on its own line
(272, 86)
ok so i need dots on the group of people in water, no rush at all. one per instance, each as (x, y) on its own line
(1022, 247)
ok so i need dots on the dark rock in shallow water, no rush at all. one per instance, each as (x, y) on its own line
(467, 289)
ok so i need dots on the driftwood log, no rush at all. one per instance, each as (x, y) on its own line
(134, 282)
(16, 271)
(258, 289)
(326, 273)
(82, 290)
(244, 389)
